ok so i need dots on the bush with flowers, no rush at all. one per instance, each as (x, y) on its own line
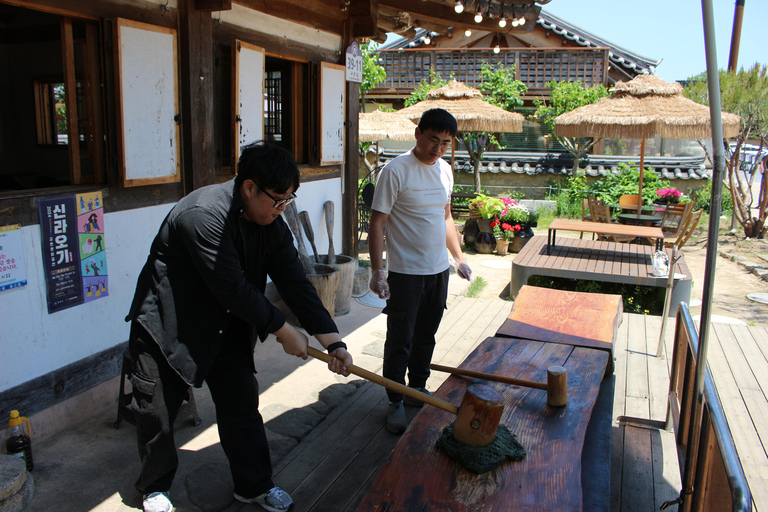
(487, 207)
(668, 195)
(503, 230)
(515, 213)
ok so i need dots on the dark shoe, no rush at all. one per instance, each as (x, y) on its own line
(396, 422)
(274, 500)
(414, 402)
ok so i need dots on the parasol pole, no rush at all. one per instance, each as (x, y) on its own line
(640, 187)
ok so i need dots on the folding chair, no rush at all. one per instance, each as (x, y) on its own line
(686, 232)
(602, 213)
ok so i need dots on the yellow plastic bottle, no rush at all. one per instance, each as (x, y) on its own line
(18, 443)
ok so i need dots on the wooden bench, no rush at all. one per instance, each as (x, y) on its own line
(417, 476)
(597, 261)
(574, 318)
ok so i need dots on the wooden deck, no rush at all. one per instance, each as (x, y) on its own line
(333, 468)
(596, 261)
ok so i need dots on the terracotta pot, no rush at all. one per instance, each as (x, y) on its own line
(502, 247)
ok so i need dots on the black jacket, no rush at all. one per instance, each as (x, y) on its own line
(207, 265)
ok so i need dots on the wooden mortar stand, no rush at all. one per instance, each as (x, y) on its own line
(556, 386)
(476, 420)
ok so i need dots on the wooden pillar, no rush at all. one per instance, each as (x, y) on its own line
(196, 66)
(349, 245)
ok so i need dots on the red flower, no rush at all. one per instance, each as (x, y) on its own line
(494, 223)
(518, 227)
(506, 227)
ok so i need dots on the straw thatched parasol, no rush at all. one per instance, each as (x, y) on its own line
(472, 113)
(377, 125)
(642, 108)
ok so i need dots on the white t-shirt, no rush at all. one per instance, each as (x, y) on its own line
(414, 195)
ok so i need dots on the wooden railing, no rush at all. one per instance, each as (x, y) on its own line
(407, 68)
(713, 478)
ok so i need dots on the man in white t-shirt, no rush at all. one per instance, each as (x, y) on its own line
(413, 202)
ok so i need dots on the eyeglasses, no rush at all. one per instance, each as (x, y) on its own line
(444, 144)
(279, 201)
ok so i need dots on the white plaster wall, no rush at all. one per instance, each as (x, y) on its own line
(33, 342)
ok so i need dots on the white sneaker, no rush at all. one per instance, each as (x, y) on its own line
(157, 502)
(274, 500)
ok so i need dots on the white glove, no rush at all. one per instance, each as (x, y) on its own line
(464, 271)
(379, 284)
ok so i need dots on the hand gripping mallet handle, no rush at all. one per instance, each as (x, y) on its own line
(389, 384)
(556, 386)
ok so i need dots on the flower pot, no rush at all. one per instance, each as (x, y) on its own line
(522, 237)
(485, 242)
(470, 232)
(484, 225)
(502, 247)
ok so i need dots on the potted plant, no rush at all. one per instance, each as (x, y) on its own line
(487, 208)
(668, 195)
(504, 234)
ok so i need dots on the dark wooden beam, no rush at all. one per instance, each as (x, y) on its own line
(320, 14)
(444, 15)
(364, 15)
(196, 65)
(351, 159)
(213, 5)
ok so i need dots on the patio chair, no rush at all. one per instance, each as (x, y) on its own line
(685, 233)
(673, 220)
(602, 213)
(628, 203)
(585, 215)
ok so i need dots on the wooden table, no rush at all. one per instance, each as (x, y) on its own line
(580, 319)
(603, 228)
(418, 477)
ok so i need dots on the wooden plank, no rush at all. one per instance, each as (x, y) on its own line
(666, 471)
(620, 367)
(557, 316)
(637, 474)
(638, 404)
(739, 422)
(418, 477)
(658, 370)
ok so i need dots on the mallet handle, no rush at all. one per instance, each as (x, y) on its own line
(488, 376)
(389, 384)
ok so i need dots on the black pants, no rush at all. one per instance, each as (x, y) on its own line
(158, 393)
(414, 311)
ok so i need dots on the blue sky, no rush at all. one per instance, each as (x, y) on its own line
(672, 30)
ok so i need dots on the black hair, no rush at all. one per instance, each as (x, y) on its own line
(438, 120)
(268, 166)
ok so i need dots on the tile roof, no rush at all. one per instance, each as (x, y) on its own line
(506, 162)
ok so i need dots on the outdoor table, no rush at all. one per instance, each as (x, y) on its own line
(418, 476)
(603, 228)
(639, 220)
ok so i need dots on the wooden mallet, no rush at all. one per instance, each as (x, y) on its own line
(556, 385)
(477, 419)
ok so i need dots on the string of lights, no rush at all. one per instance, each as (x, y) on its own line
(516, 13)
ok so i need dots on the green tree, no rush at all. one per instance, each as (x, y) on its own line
(421, 92)
(567, 96)
(373, 74)
(744, 93)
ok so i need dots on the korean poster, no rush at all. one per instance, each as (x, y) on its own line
(74, 249)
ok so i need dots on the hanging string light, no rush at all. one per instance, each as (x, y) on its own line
(427, 38)
(467, 32)
(459, 7)
(479, 13)
(503, 19)
(522, 18)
